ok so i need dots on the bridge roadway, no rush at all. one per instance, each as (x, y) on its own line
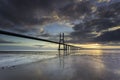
(34, 38)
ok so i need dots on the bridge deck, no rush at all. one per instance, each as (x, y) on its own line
(31, 37)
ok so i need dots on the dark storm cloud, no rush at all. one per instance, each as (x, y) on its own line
(21, 13)
(109, 11)
(109, 36)
(75, 10)
(83, 31)
(101, 22)
(30, 15)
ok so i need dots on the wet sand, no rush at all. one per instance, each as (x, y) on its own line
(72, 67)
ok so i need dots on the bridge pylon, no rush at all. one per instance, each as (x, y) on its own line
(62, 45)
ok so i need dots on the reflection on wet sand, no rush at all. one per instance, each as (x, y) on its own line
(84, 65)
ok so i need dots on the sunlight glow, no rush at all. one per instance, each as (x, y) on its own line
(95, 45)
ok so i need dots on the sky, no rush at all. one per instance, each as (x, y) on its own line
(82, 21)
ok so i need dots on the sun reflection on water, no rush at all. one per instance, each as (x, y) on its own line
(95, 59)
(90, 52)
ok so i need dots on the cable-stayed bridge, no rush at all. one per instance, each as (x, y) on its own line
(61, 43)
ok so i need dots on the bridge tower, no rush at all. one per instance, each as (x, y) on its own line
(62, 42)
(62, 46)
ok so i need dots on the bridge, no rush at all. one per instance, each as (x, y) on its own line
(62, 45)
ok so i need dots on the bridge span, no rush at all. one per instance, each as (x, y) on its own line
(60, 43)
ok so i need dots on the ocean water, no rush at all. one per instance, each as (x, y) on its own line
(71, 65)
(12, 58)
(109, 58)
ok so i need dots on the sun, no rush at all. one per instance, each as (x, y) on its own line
(97, 44)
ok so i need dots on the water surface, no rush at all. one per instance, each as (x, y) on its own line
(78, 65)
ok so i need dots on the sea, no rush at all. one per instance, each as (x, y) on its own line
(110, 58)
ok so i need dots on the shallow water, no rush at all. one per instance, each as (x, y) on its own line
(78, 65)
(12, 58)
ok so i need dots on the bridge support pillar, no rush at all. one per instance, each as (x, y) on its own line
(61, 42)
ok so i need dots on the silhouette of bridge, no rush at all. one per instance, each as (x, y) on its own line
(61, 44)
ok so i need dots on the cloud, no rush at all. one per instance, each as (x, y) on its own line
(109, 36)
(39, 46)
(30, 16)
(98, 26)
(29, 11)
(76, 10)
(24, 15)
(2, 41)
(109, 11)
